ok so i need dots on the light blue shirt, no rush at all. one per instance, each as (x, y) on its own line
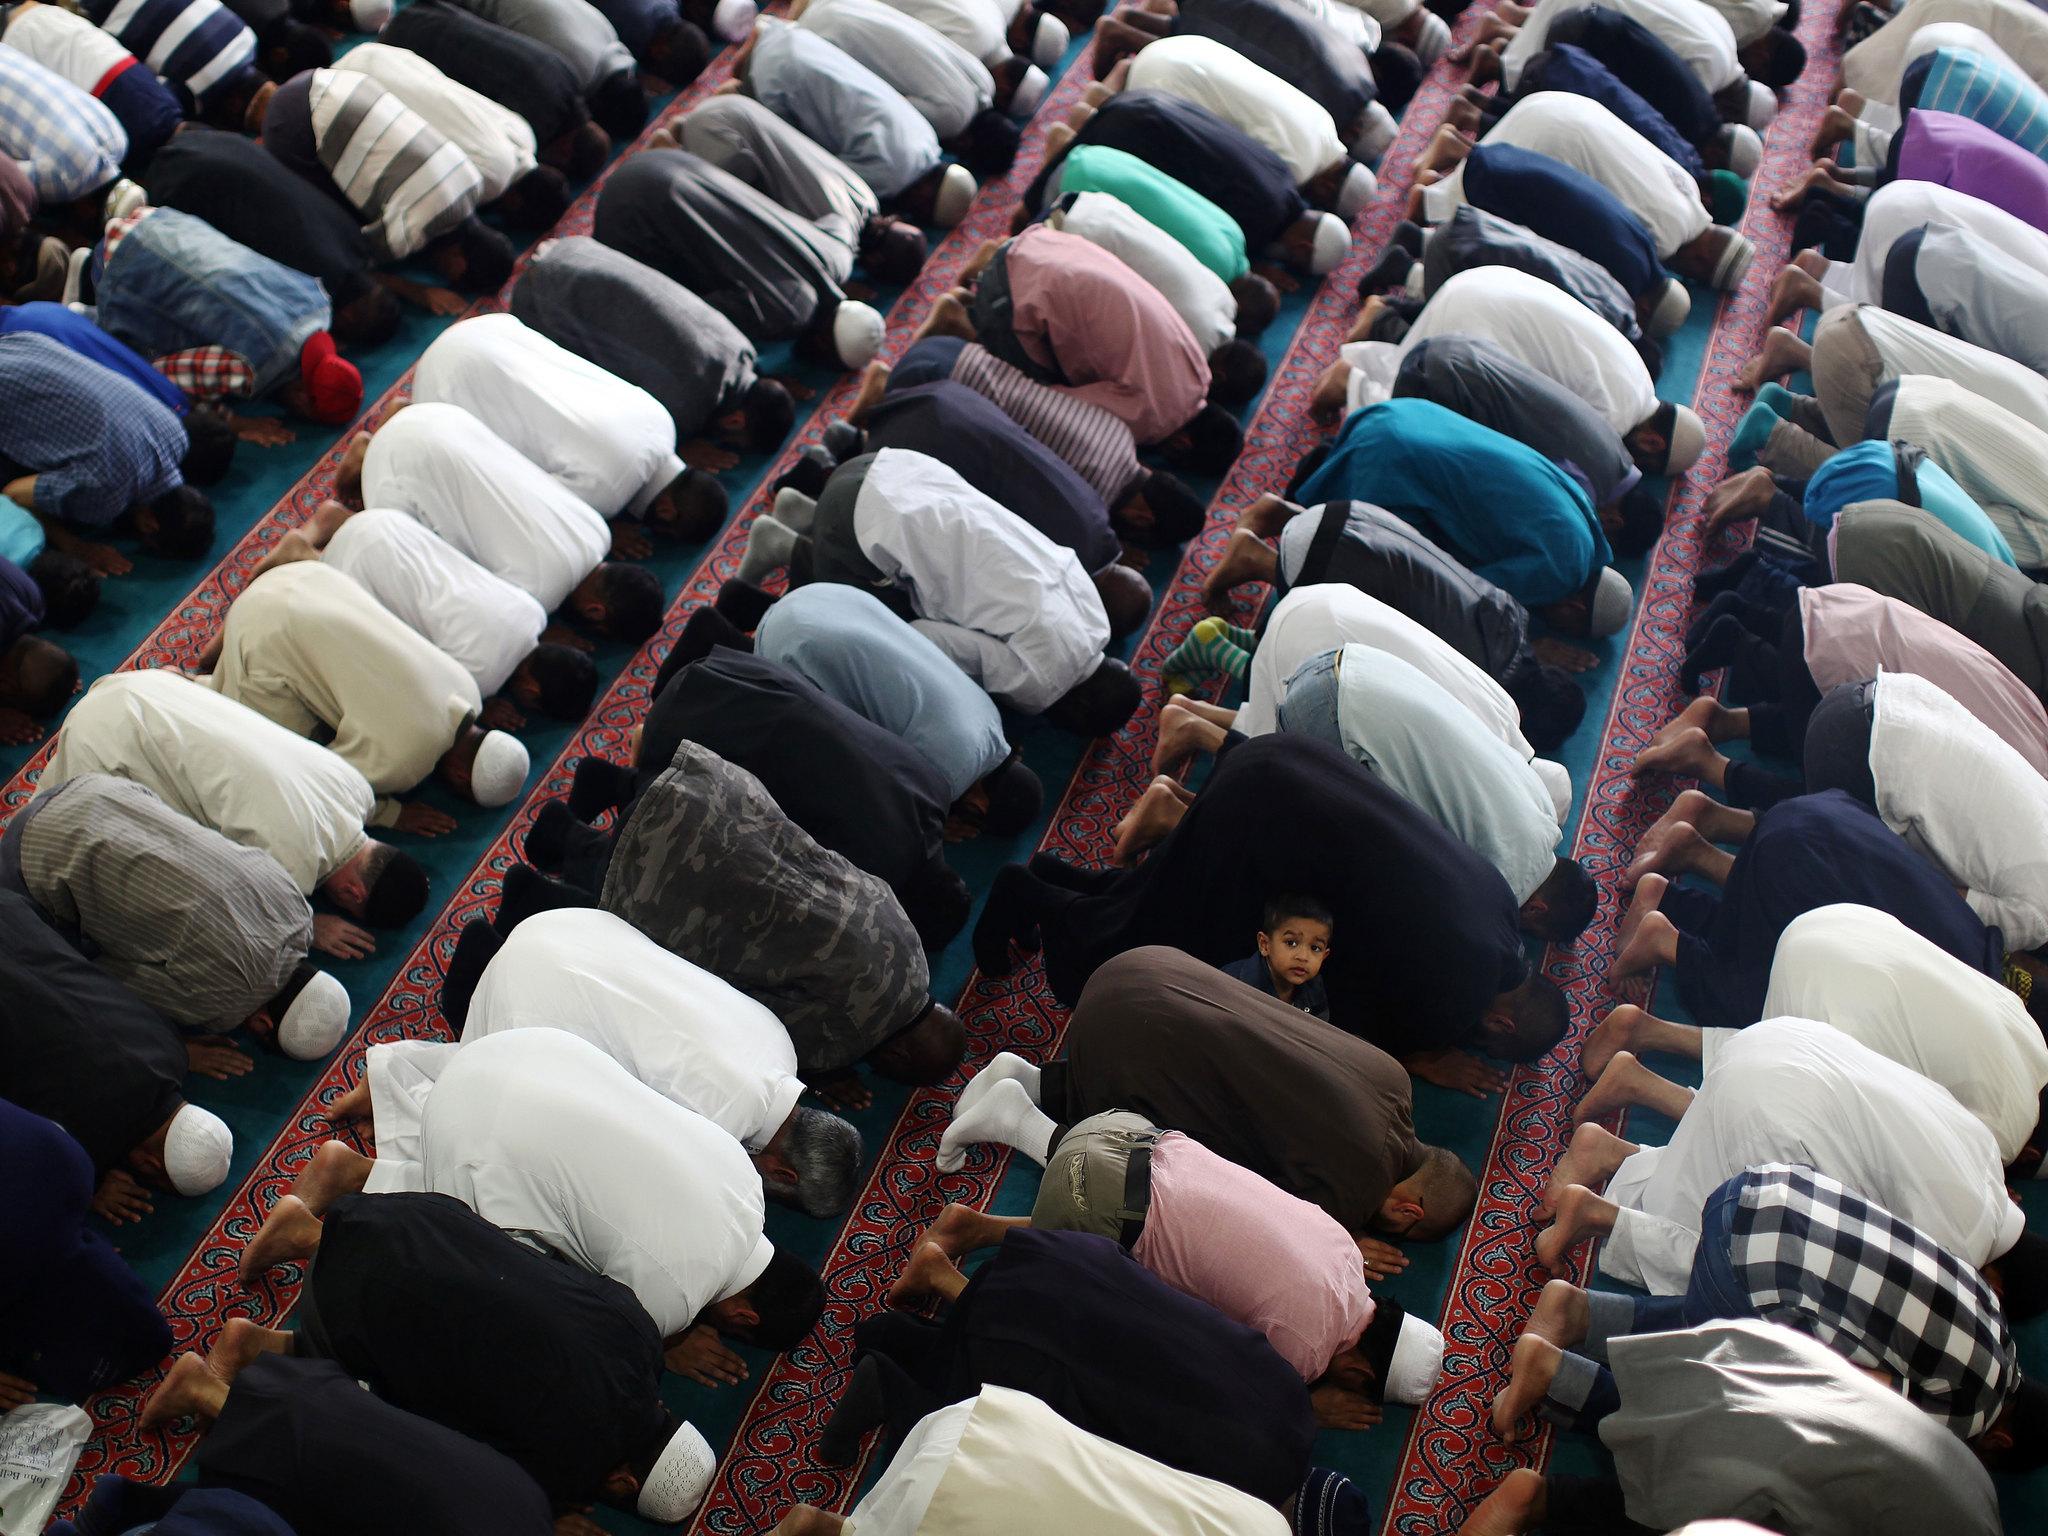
(842, 104)
(21, 536)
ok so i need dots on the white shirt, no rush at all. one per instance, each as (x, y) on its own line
(1882, 984)
(221, 764)
(545, 1136)
(1949, 786)
(1699, 34)
(65, 44)
(498, 141)
(1197, 295)
(686, 1034)
(1900, 207)
(488, 625)
(1253, 99)
(610, 443)
(1012, 609)
(1874, 65)
(1358, 27)
(1541, 325)
(947, 84)
(1998, 458)
(979, 26)
(1796, 1091)
(1906, 346)
(497, 506)
(1749, 19)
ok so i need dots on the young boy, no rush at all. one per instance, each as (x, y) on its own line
(1294, 941)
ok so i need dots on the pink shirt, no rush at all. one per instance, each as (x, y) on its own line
(1079, 310)
(1852, 633)
(1255, 1253)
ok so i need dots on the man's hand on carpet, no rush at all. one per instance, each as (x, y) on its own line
(423, 820)
(102, 559)
(702, 1356)
(263, 431)
(217, 1059)
(501, 715)
(18, 729)
(1459, 1070)
(1342, 1408)
(14, 1392)
(577, 1523)
(121, 1197)
(339, 937)
(1557, 653)
(630, 542)
(1382, 1261)
(842, 1089)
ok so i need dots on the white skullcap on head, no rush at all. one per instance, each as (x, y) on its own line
(1029, 93)
(1376, 135)
(856, 333)
(1332, 242)
(1688, 441)
(1763, 106)
(1049, 42)
(680, 1478)
(1613, 597)
(1557, 783)
(499, 771)
(370, 15)
(1736, 256)
(316, 1019)
(956, 190)
(734, 19)
(1672, 306)
(1745, 149)
(1417, 1360)
(1356, 191)
(197, 1149)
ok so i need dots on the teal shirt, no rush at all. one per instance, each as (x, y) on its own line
(21, 536)
(1205, 229)
(1869, 472)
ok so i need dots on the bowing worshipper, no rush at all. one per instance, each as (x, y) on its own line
(668, 42)
(492, 503)
(84, 449)
(1938, 276)
(995, 31)
(651, 331)
(773, 273)
(64, 590)
(211, 934)
(441, 1314)
(1226, 167)
(180, 293)
(495, 631)
(857, 115)
(79, 1048)
(1874, 66)
(77, 1319)
(583, 38)
(605, 438)
(37, 677)
(330, 1456)
(1884, 986)
(709, 868)
(860, 791)
(1012, 610)
(199, 48)
(256, 783)
(691, 1037)
(70, 144)
(295, 36)
(1011, 1465)
(583, 1159)
(1743, 1418)
(1948, 73)
(414, 189)
(1180, 213)
(1162, 1035)
(513, 70)
(308, 647)
(1781, 1089)
(1936, 147)
(182, 1509)
(1431, 966)
(1081, 1324)
(70, 46)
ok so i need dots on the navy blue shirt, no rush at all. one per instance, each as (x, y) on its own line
(88, 340)
(1255, 971)
(1564, 204)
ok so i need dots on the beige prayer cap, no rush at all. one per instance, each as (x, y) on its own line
(956, 191)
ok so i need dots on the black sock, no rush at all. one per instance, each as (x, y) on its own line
(1715, 650)
(1011, 913)
(1390, 271)
(1054, 870)
(1723, 606)
(473, 951)
(743, 603)
(528, 891)
(1711, 585)
(600, 785)
(862, 1407)
(1410, 237)
(547, 836)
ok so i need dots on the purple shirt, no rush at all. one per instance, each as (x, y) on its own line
(1954, 152)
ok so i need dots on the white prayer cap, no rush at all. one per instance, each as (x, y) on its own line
(1736, 256)
(197, 1149)
(1745, 149)
(1332, 242)
(1613, 597)
(1378, 132)
(1670, 310)
(734, 19)
(680, 1478)
(1557, 783)
(315, 1020)
(1720, 1528)
(1049, 42)
(1434, 38)
(1029, 93)
(1417, 1359)
(1688, 441)
(1356, 191)
(956, 190)
(857, 330)
(1763, 106)
(370, 15)
(499, 771)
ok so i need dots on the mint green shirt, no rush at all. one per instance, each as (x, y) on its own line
(1205, 229)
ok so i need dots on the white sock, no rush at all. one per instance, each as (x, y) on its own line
(1004, 1113)
(1004, 1067)
(769, 546)
(793, 509)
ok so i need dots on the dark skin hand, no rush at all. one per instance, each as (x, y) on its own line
(423, 820)
(121, 1197)
(1381, 1260)
(102, 559)
(500, 715)
(1557, 653)
(842, 1089)
(1459, 1070)
(699, 454)
(577, 1523)
(18, 729)
(1342, 1408)
(14, 1392)
(339, 937)
(263, 431)
(562, 634)
(630, 542)
(702, 1356)
(217, 1059)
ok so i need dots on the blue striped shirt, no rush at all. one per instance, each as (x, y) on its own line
(1985, 91)
(96, 443)
(67, 142)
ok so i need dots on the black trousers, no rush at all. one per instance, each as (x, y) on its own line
(1586, 1506)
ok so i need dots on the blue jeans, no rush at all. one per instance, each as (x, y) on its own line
(1712, 1291)
(1308, 705)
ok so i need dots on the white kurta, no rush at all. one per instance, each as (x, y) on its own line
(484, 622)
(1906, 346)
(221, 764)
(453, 473)
(948, 85)
(308, 646)
(1795, 1091)
(979, 26)
(1874, 65)
(1952, 788)
(544, 1135)
(676, 1027)
(1997, 457)
(611, 443)
(1253, 99)
(1009, 607)
(1878, 982)
(1749, 19)
(1697, 33)
(1197, 295)
(497, 140)
(1004, 1464)
(1897, 209)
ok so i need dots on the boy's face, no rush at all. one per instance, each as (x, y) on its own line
(1295, 951)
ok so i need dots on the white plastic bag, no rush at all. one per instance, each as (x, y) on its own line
(39, 1445)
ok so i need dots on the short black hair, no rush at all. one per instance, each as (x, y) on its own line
(1015, 796)
(1378, 1341)
(46, 673)
(678, 52)
(2023, 1277)
(70, 588)
(1177, 512)
(1278, 909)
(487, 256)
(396, 887)
(1258, 301)
(632, 602)
(301, 977)
(1570, 897)
(991, 148)
(1540, 1015)
(210, 445)
(1397, 70)
(589, 147)
(293, 47)
(1551, 703)
(698, 502)
(788, 1298)
(619, 106)
(369, 319)
(1652, 354)
(892, 251)
(1642, 521)
(1237, 371)
(937, 901)
(1779, 56)
(1100, 703)
(2025, 1420)
(1214, 440)
(769, 413)
(537, 200)
(184, 524)
(566, 680)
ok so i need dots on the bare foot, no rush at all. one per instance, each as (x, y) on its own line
(1795, 289)
(1157, 813)
(1783, 352)
(1686, 751)
(1649, 894)
(289, 1233)
(1681, 850)
(665, 137)
(1590, 1158)
(1812, 263)
(922, 1277)
(956, 1232)
(1817, 177)
(1517, 1505)
(351, 1106)
(1267, 516)
(1837, 125)
(1530, 1373)
(1561, 1314)
(348, 475)
(1708, 714)
(1368, 312)
(1182, 733)
(1654, 942)
(191, 1390)
(1579, 1213)
(240, 1342)
(336, 1170)
(1465, 117)
(949, 317)
(1246, 557)
(1616, 1033)
(1486, 65)
(874, 383)
(1620, 1087)
(1332, 392)
(1744, 497)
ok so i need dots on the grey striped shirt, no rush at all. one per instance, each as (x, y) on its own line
(1096, 445)
(406, 178)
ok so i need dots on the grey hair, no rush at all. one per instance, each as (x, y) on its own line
(826, 1153)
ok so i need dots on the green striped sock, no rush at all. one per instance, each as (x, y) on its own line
(1210, 650)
